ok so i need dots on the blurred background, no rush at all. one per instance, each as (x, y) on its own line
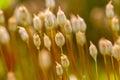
(93, 12)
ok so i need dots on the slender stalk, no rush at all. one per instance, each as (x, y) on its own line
(61, 50)
(4, 59)
(88, 62)
(15, 52)
(71, 54)
(54, 53)
(112, 61)
(119, 68)
(35, 60)
(46, 76)
(82, 60)
(10, 57)
(106, 67)
(66, 74)
(53, 46)
(60, 78)
(6, 49)
(41, 38)
(110, 22)
(114, 34)
(96, 68)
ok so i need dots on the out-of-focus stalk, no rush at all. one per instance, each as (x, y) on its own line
(93, 52)
(70, 48)
(105, 47)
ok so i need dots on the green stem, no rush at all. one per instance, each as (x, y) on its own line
(67, 75)
(54, 50)
(34, 58)
(61, 50)
(106, 67)
(71, 55)
(113, 67)
(96, 67)
(88, 62)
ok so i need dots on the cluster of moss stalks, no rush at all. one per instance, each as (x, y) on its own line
(46, 46)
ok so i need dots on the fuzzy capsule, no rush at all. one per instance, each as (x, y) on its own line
(67, 27)
(82, 24)
(109, 10)
(59, 69)
(118, 41)
(75, 23)
(80, 37)
(4, 35)
(72, 77)
(61, 18)
(2, 18)
(50, 4)
(36, 41)
(44, 59)
(64, 61)
(22, 15)
(47, 42)
(116, 51)
(115, 24)
(11, 76)
(109, 47)
(105, 47)
(55, 21)
(23, 12)
(37, 23)
(23, 33)
(59, 39)
(49, 19)
(93, 51)
(12, 24)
